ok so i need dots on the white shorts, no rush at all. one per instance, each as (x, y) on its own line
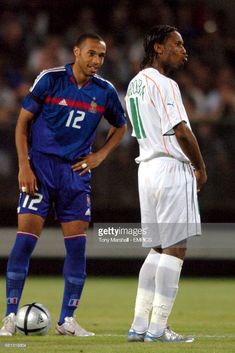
(168, 202)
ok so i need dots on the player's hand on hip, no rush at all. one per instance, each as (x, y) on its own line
(201, 177)
(89, 162)
(27, 180)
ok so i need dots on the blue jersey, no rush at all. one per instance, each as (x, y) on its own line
(66, 116)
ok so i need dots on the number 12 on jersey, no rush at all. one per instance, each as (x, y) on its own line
(136, 119)
(74, 118)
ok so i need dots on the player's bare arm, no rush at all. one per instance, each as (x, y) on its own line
(93, 160)
(26, 177)
(189, 145)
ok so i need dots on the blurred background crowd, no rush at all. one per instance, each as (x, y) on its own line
(39, 34)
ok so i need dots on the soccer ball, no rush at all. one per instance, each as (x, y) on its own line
(33, 319)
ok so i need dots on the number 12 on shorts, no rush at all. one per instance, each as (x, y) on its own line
(31, 203)
(136, 119)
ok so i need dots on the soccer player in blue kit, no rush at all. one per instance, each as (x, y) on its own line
(54, 134)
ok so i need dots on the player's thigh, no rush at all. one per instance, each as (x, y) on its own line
(177, 196)
(39, 204)
(72, 203)
(74, 227)
(146, 195)
(150, 235)
(176, 212)
(30, 223)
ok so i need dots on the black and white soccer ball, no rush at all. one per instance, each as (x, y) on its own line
(33, 319)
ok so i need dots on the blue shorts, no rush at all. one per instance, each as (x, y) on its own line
(58, 187)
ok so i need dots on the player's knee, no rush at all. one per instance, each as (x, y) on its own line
(74, 228)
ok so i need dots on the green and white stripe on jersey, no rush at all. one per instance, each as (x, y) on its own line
(136, 118)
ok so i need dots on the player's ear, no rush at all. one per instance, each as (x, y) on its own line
(76, 51)
(158, 48)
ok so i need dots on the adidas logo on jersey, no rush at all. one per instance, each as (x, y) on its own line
(63, 102)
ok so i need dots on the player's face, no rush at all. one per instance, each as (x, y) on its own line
(173, 52)
(89, 56)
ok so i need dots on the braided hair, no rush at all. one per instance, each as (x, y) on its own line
(157, 34)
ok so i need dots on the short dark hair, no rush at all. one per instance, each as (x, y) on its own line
(157, 34)
(87, 35)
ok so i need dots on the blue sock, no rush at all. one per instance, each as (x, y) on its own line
(74, 274)
(17, 269)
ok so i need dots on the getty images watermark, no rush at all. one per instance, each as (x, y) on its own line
(114, 234)
(217, 238)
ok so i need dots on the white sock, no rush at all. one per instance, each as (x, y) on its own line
(145, 292)
(166, 284)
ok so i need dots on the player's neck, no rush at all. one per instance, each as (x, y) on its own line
(156, 65)
(79, 76)
(162, 67)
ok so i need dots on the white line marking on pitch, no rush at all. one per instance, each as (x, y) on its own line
(109, 335)
(196, 336)
(215, 336)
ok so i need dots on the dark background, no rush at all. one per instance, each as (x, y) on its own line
(35, 35)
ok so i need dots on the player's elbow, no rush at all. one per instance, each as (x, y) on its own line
(182, 132)
(122, 129)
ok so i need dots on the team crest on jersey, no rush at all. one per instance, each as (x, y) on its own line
(93, 106)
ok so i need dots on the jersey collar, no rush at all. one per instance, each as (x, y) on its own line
(72, 79)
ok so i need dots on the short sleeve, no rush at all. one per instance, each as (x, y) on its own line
(114, 112)
(37, 93)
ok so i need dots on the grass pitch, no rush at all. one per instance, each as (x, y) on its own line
(204, 308)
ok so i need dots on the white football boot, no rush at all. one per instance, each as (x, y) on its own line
(70, 327)
(134, 336)
(168, 336)
(9, 325)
